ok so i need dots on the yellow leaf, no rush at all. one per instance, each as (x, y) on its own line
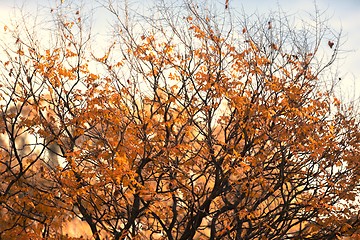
(345, 227)
(20, 52)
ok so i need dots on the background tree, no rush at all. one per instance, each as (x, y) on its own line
(190, 125)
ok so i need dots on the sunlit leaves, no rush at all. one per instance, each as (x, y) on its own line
(180, 131)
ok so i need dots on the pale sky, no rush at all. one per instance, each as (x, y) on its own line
(344, 15)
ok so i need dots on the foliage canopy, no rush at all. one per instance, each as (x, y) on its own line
(192, 124)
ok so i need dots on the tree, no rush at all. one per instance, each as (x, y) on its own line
(191, 125)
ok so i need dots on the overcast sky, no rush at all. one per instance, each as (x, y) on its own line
(344, 15)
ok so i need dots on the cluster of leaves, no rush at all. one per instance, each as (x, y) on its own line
(192, 130)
